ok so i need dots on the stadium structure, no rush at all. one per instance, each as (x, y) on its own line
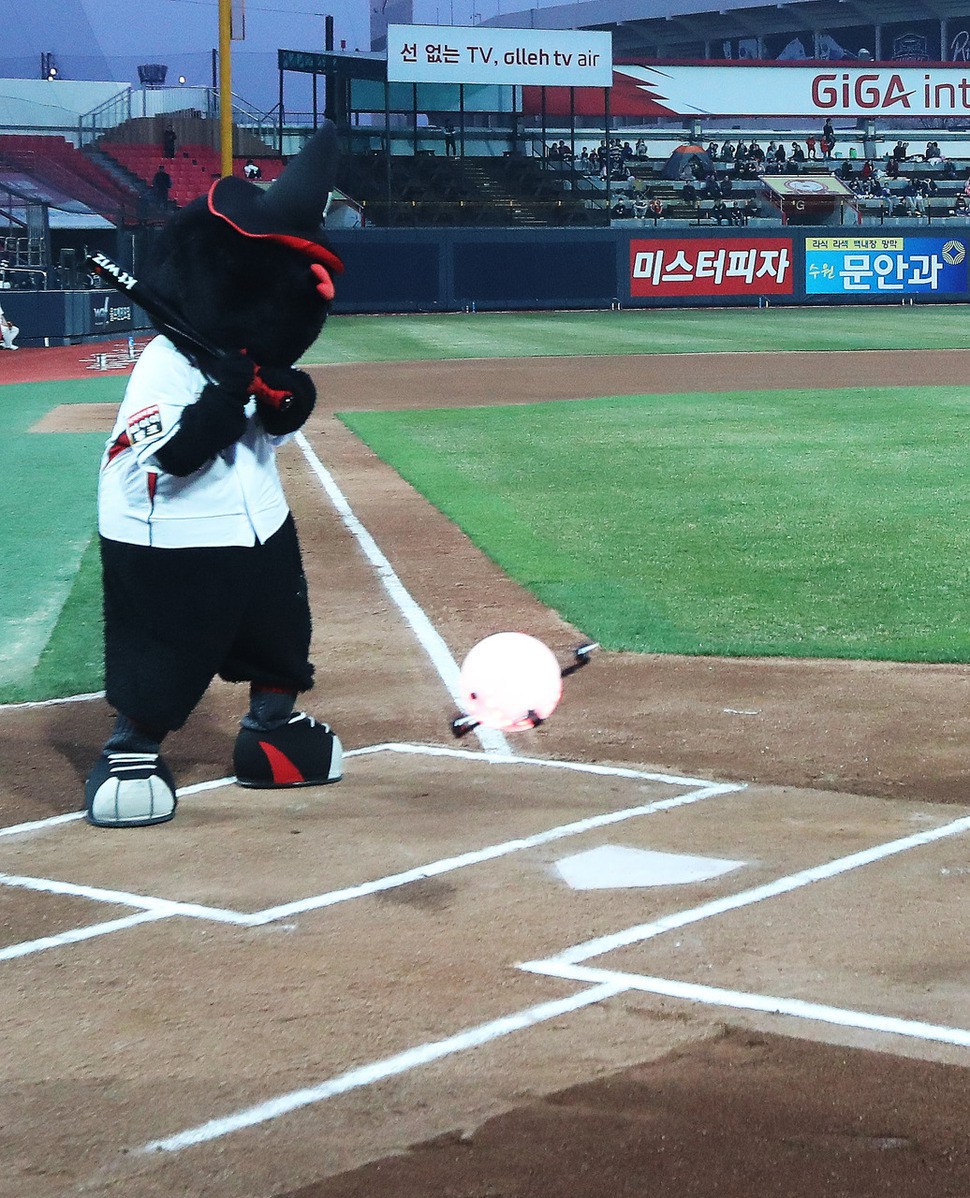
(709, 119)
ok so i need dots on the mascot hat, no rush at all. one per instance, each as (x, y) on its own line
(290, 211)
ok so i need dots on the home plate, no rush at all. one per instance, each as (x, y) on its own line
(612, 867)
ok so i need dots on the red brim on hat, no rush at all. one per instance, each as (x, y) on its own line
(247, 214)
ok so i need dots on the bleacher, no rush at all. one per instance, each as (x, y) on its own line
(192, 170)
(53, 161)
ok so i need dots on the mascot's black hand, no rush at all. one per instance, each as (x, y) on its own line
(285, 400)
(234, 373)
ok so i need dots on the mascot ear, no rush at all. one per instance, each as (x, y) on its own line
(324, 281)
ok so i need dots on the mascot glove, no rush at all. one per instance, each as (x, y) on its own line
(273, 385)
(292, 413)
(234, 373)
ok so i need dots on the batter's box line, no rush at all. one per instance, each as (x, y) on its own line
(740, 1000)
(153, 907)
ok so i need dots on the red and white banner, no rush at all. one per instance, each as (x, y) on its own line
(711, 266)
(819, 90)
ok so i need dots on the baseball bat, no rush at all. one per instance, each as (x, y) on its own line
(164, 315)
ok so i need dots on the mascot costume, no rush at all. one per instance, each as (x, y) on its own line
(201, 563)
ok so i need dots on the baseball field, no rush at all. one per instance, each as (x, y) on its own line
(701, 932)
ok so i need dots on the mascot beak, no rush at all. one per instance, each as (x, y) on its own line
(291, 210)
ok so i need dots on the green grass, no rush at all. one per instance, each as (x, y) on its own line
(506, 335)
(781, 523)
(795, 523)
(48, 486)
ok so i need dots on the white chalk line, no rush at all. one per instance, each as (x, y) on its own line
(85, 698)
(76, 935)
(607, 984)
(428, 636)
(367, 1075)
(771, 1004)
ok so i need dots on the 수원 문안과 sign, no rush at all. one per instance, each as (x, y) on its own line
(473, 54)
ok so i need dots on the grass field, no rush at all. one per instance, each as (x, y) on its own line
(827, 524)
(758, 523)
(511, 335)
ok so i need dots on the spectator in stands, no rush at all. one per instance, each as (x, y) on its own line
(711, 189)
(656, 208)
(727, 152)
(622, 208)
(689, 193)
(932, 152)
(627, 151)
(966, 187)
(726, 186)
(828, 133)
(712, 151)
(846, 171)
(736, 213)
(780, 156)
(811, 143)
(899, 151)
(161, 185)
(797, 153)
(584, 162)
(867, 169)
(451, 147)
(251, 170)
(892, 168)
(641, 207)
(169, 142)
(8, 333)
(961, 206)
(641, 148)
(719, 211)
(752, 208)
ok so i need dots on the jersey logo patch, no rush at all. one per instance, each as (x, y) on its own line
(144, 425)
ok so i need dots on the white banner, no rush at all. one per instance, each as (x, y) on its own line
(473, 54)
(800, 91)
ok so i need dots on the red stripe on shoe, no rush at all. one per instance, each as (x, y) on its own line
(284, 771)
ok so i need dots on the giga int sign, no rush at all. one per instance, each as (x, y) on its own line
(874, 91)
(767, 90)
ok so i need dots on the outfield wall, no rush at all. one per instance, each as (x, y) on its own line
(451, 270)
(432, 270)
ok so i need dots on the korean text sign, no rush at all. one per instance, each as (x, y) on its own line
(885, 265)
(711, 266)
(475, 54)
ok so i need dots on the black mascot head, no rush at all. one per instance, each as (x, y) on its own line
(249, 268)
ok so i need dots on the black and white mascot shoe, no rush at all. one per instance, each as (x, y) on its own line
(301, 752)
(129, 790)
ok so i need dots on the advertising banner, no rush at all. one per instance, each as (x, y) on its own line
(711, 266)
(885, 265)
(817, 91)
(463, 54)
(109, 312)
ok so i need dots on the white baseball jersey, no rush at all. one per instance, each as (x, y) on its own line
(233, 499)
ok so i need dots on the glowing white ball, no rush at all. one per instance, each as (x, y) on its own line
(506, 677)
